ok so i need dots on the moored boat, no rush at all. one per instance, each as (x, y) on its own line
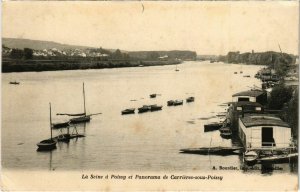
(155, 107)
(279, 158)
(128, 111)
(178, 102)
(14, 82)
(47, 144)
(144, 108)
(170, 103)
(225, 132)
(80, 119)
(190, 99)
(84, 118)
(60, 125)
(213, 150)
(250, 157)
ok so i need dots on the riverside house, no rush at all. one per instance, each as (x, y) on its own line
(258, 96)
(264, 131)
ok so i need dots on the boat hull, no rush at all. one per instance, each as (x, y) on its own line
(250, 157)
(213, 150)
(279, 158)
(170, 103)
(60, 125)
(128, 111)
(190, 99)
(155, 108)
(46, 145)
(225, 132)
(80, 119)
(144, 109)
(14, 83)
(178, 103)
(225, 136)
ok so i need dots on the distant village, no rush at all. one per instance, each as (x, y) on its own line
(100, 53)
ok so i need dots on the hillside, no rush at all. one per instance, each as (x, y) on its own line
(37, 44)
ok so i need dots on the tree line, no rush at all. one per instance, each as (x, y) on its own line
(280, 62)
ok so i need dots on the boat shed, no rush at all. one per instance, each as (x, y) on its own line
(264, 131)
(258, 96)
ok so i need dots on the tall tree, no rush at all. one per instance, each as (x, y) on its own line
(28, 53)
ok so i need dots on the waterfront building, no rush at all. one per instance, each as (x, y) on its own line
(264, 131)
(256, 95)
(237, 109)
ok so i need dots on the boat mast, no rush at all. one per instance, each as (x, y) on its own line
(84, 100)
(50, 121)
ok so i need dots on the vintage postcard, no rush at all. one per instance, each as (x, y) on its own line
(149, 96)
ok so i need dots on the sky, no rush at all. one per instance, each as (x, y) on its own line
(205, 27)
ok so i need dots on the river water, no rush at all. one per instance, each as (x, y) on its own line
(144, 142)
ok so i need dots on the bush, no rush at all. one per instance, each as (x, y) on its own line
(292, 114)
(279, 96)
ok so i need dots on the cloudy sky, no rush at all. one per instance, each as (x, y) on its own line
(206, 27)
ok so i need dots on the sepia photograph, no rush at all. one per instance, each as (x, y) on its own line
(149, 96)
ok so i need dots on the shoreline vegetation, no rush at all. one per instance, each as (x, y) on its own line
(17, 65)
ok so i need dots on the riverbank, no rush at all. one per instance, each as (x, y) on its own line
(19, 65)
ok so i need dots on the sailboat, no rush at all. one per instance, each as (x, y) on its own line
(176, 68)
(84, 117)
(47, 144)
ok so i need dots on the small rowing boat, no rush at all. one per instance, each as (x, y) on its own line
(225, 132)
(14, 83)
(128, 111)
(213, 150)
(279, 158)
(178, 102)
(144, 108)
(155, 107)
(250, 157)
(190, 99)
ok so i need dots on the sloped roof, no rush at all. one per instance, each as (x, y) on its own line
(246, 103)
(250, 93)
(252, 120)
